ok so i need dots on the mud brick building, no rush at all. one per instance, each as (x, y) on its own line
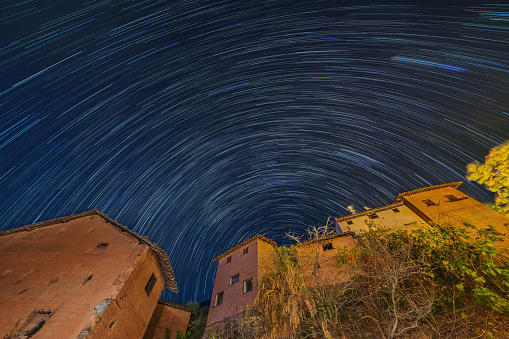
(82, 276)
(168, 315)
(434, 204)
(240, 268)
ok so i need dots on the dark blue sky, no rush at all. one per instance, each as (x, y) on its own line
(201, 124)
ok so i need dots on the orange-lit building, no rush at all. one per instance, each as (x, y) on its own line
(82, 276)
(244, 262)
(435, 204)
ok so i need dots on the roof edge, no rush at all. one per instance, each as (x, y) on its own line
(233, 249)
(373, 210)
(161, 255)
(426, 189)
(327, 237)
(175, 305)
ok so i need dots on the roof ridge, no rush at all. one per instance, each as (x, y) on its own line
(245, 242)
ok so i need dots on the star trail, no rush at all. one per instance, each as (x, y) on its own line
(202, 123)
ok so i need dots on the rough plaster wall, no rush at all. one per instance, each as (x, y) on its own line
(59, 268)
(456, 212)
(234, 300)
(167, 317)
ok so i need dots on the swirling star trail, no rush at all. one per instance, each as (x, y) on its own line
(202, 123)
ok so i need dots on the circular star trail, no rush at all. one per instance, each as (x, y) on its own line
(200, 124)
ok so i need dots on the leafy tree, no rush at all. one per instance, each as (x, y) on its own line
(494, 174)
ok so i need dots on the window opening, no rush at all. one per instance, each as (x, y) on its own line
(150, 284)
(372, 216)
(349, 222)
(229, 260)
(327, 246)
(86, 280)
(244, 251)
(428, 202)
(248, 285)
(234, 279)
(219, 299)
(395, 210)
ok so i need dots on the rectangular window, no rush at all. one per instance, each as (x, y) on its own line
(428, 202)
(451, 197)
(150, 284)
(234, 279)
(229, 260)
(219, 299)
(372, 216)
(244, 251)
(327, 246)
(248, 285)
(349, 222)
(395, 210)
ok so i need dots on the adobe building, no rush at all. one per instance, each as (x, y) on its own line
(435, 204)
(240, 268)
(236, 283)
(81, 276)
(168, 316)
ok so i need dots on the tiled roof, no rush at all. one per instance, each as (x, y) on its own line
(426, 189)
(399, 200)
(233, 249)
(174, 305)
(373, 210)
(327, 237)
(162, 257)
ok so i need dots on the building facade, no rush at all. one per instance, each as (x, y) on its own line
(236, 283)
(168, 319)
(435, 204)
(82, 276)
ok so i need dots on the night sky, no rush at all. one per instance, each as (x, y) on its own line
(200, 124)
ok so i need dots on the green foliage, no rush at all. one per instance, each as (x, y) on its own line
(469, 259)
(197, 322)
(494, 174)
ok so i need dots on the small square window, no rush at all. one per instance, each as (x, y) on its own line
(395, 210)
(219, 299)
(327, 246)
(234, 279)
(150, 284)
(244, 251)
(349, 222)
(451, 197)
(428, 202)
(248, 285)
(372, 216)
(229, 260)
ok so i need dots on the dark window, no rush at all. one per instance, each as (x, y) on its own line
(88, 278)
(32, 324)
(327, 246)
(150, 284)
(428, 202)
(372, 216)
(99, 248)
(451, 197)
(219, 299)
(244, 251)
(395, 210)
(248, 285)
(229, 260)
(234, 279)
(349, 222)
